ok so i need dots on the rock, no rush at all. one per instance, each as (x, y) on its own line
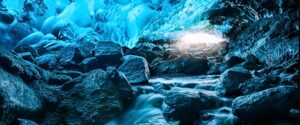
(26, 56)
(234, 60)
(70, 73)
(47, 61)
(89, 64)
(252, 66)
(17, 99)
(14, 64)
(267, 104)
(135, 69)
(231, 79)
(24, 122)
(71, 54)
(58, 79)
(6, 16)
(294, 114)
(189, 65)
(109, 53)
(258, 83)
(188, 101)
(26, 48)
(49, 94)
(94, 98)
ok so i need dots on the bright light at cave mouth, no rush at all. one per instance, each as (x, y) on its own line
(192, 40)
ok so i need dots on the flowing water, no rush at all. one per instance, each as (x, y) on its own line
(148, 107)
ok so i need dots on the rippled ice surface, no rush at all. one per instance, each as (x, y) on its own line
(148, 108)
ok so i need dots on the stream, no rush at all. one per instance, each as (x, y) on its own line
(149, 105)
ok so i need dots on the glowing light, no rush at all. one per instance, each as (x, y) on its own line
(192, 40)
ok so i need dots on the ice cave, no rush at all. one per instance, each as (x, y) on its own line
(149, 62)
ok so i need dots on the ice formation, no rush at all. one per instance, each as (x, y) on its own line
(122, 21)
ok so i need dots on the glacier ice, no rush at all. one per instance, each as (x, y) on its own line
(122, 21)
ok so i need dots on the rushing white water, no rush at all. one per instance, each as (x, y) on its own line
(148, 108)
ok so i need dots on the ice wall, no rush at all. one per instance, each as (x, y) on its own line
(123, 21)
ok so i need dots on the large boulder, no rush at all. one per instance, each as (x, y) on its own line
(231, 79)
(47, 61)
(189, 65)
(256, 84)
(17, 99)
(267, 104)
(14, 64)
(89, 64)
(135, 69)
(95, 98)
(182, 101)
(109, 53)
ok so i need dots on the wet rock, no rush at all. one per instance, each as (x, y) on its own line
(294, 114)
(94, 98)
(70, 73)
(6, 16)
(26, 48)
(109, 53)
(26, 56)
(259, 83)
(89, 64)
(267, 104)
(189, 65)
(14, 64)
(188, 101)
(47, 61)
(17, 99)
(58, 79)
(231, 79)
(49, 94)
(71, 54)
(24, 122)
(135, 69)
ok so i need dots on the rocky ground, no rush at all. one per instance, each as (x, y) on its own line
(253, 77)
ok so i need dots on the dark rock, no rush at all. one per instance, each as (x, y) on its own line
(234, 60)
(189, 65)
(17, 99)
(47, 93)
(26, 48)
(47, 61)
(24, 122)
(231, 79)
(89, 64)
(26, 56)
(135, 69)
(258, 83)
(73, 74)
(188, 101)
(251, 58)
(252, 66)
(294, 114)
(15, 65)
(94, 98)
(266, 105)
(70, 54)
(109, 53)
(6, 16)
(58, 79)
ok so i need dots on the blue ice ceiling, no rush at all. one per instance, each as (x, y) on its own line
(123, 21)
